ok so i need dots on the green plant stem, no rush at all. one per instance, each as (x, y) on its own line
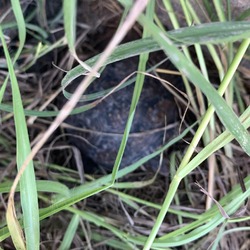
(220, 10)
(210, 47)
(176, 25)
(136, 94)
(203, 68)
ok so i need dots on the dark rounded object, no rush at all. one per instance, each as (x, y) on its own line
(106, 122)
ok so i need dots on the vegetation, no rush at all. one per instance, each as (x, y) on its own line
(47, 204)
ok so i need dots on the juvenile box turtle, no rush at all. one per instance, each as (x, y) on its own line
(105, 123)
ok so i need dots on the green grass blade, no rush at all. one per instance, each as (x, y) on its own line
(2, 90)
(69, 11)
(136, 94)
(200, 227)
(220, 10)
(21, 26)
(42, 186)
(211, 33)
(69, 14)
(29, 200)
(213, 146)
(70, 232)
(113, 243)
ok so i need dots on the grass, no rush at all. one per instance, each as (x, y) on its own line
(120, 210)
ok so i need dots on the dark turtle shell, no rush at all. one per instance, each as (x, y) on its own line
(106, 122)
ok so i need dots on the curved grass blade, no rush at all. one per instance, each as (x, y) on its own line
(15, 229)
(69, 14)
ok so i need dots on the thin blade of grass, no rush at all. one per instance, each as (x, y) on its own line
(211, 33)
(42, 186)
(221, 90)
(2, 90)
(70, 232)
(21, 26)
(136, 94)
(29, 200)
(202, 34)
(69, 15)
(113, 243)
(213, 146)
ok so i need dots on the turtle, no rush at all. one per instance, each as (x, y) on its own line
(102, 127)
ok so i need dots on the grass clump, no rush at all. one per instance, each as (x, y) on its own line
(129, 208)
